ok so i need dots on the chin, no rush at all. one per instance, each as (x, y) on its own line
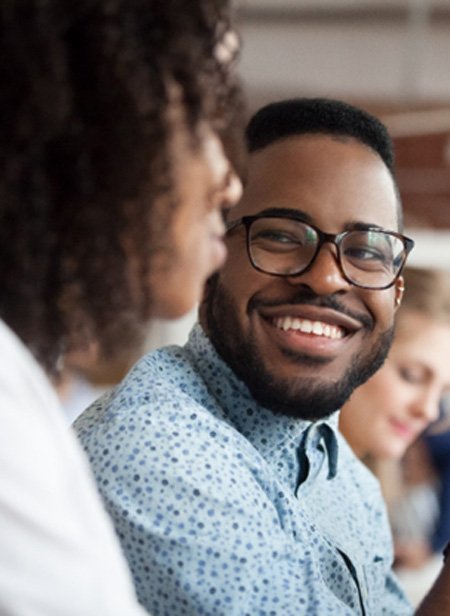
(394, 452)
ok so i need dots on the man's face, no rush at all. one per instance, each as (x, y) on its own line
(253, 318)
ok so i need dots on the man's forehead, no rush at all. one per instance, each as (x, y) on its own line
(315, 152)
(316, 174)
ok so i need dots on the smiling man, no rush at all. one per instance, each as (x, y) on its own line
(220, 462)
(305, 325)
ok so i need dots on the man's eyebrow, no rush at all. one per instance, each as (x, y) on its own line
(287, 212)
(300, 215)
(357, 225)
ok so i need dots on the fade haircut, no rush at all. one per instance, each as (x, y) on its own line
(85, 155)
(304, 116)
(301, 116)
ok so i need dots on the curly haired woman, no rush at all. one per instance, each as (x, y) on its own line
(113, 176)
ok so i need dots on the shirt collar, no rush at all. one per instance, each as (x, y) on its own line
(281, 440)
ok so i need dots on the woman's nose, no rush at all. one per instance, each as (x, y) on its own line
(427, 406)
(232, 190)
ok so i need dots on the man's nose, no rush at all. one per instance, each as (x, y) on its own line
(324, 276)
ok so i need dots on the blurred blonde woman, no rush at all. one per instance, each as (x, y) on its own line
(386, 415)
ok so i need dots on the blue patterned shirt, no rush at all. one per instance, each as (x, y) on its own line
(224, 508)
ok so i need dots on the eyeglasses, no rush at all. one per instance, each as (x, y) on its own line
(284, 246)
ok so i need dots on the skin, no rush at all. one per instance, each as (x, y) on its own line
(206, 185)
(386, 414)
(192, 246)
(332, 183)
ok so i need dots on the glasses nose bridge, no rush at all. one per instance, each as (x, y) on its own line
(330, 238)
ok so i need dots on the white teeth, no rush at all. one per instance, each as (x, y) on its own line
(306, 326)
(318, 328)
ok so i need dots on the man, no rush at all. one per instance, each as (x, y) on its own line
(220, 462)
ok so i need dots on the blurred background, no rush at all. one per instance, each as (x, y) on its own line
(391, 57)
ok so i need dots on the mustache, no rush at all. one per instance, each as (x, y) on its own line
(309, 298)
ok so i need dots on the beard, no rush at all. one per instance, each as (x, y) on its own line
(303, 397)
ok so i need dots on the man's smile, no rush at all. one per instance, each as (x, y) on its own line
(308, 329)
(316, 328)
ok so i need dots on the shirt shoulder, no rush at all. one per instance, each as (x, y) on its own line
(49, 505)
(163, 380)
(166, 397)
(22, 380)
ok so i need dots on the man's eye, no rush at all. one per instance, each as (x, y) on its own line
(279, 237)
(368, 259)
(365, 253)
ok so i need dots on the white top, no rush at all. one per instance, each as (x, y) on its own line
(59, 555)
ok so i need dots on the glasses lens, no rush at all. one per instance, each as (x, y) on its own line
(372, 258)
(281, 245)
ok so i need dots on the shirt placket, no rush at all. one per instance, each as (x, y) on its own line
(317, 456)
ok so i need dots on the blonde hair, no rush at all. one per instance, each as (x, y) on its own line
(427, 291)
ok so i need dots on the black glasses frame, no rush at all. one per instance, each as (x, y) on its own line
(334, 238)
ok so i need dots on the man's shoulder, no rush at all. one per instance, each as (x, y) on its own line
(168, 371)
(163, 387)
(164, 365)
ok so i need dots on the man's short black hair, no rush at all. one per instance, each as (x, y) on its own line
(299, 116)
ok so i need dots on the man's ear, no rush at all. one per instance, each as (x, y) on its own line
(399, 290)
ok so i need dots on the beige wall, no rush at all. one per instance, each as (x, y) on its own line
(379, 49)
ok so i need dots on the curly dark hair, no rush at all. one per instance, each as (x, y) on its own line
(84, 147)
